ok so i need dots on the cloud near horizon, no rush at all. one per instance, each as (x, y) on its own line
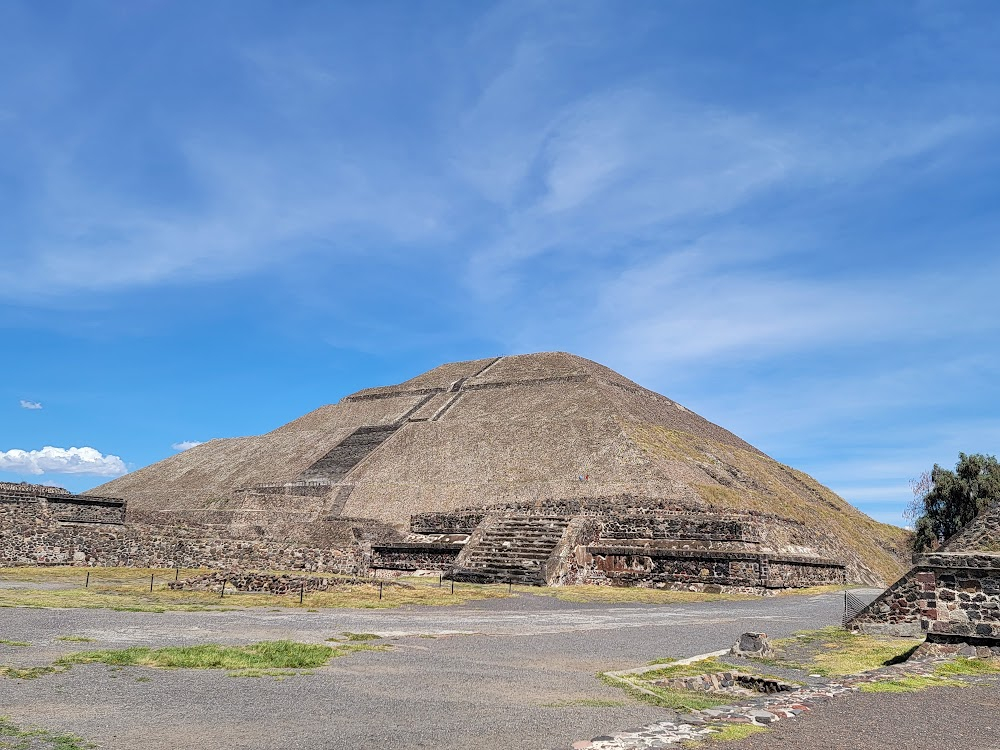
(185, 445)
(30, 404)
(51, 460)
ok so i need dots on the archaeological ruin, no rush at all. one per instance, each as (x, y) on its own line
(540, 468)
(951, 596)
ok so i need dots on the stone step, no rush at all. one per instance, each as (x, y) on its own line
(489, 555)
(518, 543)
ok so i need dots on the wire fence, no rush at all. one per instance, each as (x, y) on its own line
(113, 578)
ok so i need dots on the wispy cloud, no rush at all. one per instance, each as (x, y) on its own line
(50, 460)
(185, 445)
(30, 404)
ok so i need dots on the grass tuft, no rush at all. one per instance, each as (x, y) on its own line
(38, 739)
(967, 667)
(19, 644)
(728, 733)
(908, 684)
(26, 673)
(75, 639)
(348, 636)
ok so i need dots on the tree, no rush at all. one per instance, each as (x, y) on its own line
(944, 501)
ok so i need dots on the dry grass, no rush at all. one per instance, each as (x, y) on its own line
(909, 684)
(835, 652)
(127, 589)
(266, 655)
(627, 595)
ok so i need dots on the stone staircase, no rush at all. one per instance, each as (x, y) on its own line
(347, 454)
(513, 548)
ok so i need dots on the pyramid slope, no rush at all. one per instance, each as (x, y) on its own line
(518, 429)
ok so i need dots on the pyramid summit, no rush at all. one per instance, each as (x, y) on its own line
(439, 466)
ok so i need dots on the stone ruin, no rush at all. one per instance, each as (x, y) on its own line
(951, 597)
(545, 469)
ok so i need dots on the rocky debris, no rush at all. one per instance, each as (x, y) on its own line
(271, 583)
(763, 710)
(753, 645)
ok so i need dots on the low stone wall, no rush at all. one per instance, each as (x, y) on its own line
(268, 583)
(85, 509)
(31, 535)
(414, 556)
(947, 595)
(678, 527)
(455, 522)
(698, 569)
(727, 682)
(22, 489)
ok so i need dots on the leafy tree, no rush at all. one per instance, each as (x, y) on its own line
(944, 501)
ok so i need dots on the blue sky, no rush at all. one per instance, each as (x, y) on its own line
(215, 217)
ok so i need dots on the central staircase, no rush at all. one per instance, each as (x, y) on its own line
(512, 549)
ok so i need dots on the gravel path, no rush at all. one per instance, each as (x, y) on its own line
(508, 673)
(934, 719)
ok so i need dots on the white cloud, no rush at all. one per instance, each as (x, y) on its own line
(185, 445)
(62, 461)
(30, 404)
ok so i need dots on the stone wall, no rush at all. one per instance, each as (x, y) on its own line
(414, 556)
(30, 534)
(454, 522)
(982, 535)
(702, 527)
(702, 569)
(947, 596)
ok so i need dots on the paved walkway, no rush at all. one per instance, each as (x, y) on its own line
(511, 673)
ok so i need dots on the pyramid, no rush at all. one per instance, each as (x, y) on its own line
(547, 430)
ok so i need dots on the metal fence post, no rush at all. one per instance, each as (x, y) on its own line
(302, 591)
(86, 583)
(223, 594)
(151, 575)
(380, 590)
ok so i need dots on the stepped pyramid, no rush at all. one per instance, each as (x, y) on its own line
(548, 432)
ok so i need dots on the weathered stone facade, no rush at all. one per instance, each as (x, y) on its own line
(67, 530)
(947, 596)
(406, 556)
(704, 569)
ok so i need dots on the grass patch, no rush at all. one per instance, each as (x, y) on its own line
(75, 639)
(348, 636)
(967, 667)
(19, 644)
(834, 652)
(585, 703)
(728, 733)
(627, 595)
(703, 666)
(263, 655)
(12, 736)
(683, 700)
(26, 673)
(908, 684)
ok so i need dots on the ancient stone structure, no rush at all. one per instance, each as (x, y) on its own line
(542, 468)
(951, 596)
(49, 526)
